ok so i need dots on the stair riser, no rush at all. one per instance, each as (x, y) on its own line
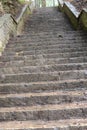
(25, 88)
(45, 40)
(38, 77)
(55, 34)
(15, 70)
(36, 48)
(52, 37)
(43, 115)
(38, 62)
(48, 51)
(35, 57)
(12, 102)
(59, 128)
(46, 43)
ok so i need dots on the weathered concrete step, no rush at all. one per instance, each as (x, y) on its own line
(41, 61)
(61, 33)
(31, 99)
(44, 68)
(44, 43)
(43, 76)
(45, 51)
(44, 112)
(37, 39)
(44, 18)
(60, 36)
(46, 86)
(71, 124)
(48, 23)
(45, 47)
(43, 56)
(72, 32)
(53, 35)
(27, 29)
(41, 17)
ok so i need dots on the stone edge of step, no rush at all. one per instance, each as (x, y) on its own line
(44, 125)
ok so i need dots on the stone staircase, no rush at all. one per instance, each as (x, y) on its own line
(43, 76)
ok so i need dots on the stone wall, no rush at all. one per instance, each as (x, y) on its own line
(7, 27)
(10, 26)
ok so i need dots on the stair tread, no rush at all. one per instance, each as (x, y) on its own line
(43, 124)
(65, 106)
(54, 93)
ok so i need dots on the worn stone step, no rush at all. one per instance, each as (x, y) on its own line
(30, 99)
(38, 56)
(66, 85)
(45, 47)
(37, 39)
(43, 76)
(71, 124)
(47, 29)
(44, 112)
(45, 43)
(42, 42)
(72, 33)
(45, 51)
(41, 61)
(50, 37)
(44, 68)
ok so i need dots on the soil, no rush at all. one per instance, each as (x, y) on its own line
(11, 7)
(79, 4)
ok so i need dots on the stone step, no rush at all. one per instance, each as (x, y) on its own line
(52, 36)
(45, 47)
(49, 29)
(31, 99)
(45, 43)
(43, 76)
(44, 56)
(72, 33)
(44, 112)
(58, 38)
(44, 68)
(41, 62)
(71, 124)
(46, 86)
(45, 51)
